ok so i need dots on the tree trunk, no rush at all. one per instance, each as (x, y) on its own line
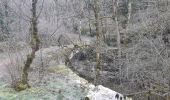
(115, 7)
(80, 30)
(80, 20)
(90, 30)
(128, 20)
(97, 25)
(126, 33)
(35, 42)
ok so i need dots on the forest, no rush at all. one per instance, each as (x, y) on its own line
(84, 49)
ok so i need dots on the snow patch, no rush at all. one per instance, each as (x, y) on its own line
(103, 93)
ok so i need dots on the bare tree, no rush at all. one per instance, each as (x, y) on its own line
(35, 43)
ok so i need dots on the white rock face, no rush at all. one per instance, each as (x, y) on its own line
(103, 93)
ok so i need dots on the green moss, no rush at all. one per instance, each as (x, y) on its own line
(21, 86)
